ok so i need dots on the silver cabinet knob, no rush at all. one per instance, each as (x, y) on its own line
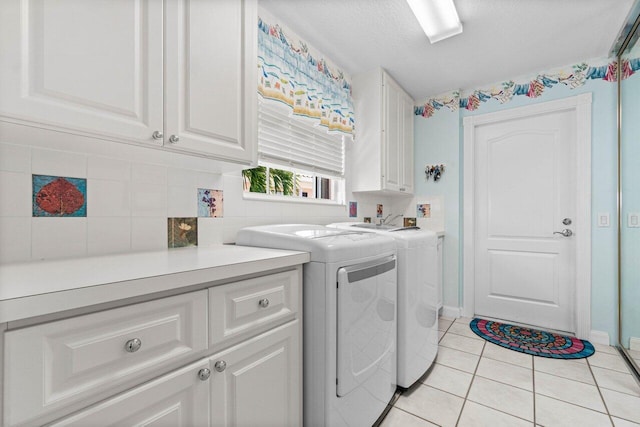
(220, 365)
(174, 139)
(157, 135)
(264, 303)
(133, 345)
(566, 232)
(204, 374)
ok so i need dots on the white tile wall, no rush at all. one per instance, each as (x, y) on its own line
(58, 163)
(149, 199)
(182, 201)
(108, 168)
(14, 158)
(148, 233)
(15, 239)
(129, 200)
(107, 198)
(108, 235)
(15, 194)
(58, 237)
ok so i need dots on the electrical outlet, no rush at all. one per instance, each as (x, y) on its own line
(633, 220)
(603, 219)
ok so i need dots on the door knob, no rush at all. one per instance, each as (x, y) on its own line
(204, 374)
(566, 232)
(133, 345)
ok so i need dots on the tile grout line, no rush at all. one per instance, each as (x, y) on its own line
(533, 380)
(466, 396)
(606, 408)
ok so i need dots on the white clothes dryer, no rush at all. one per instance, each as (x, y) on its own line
(417, 296)
(349, 319)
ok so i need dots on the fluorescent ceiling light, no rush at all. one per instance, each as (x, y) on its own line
(438, 18)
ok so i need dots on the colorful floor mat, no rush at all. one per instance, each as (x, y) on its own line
(532, 341)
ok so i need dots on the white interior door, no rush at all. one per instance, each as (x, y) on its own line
(525, 187)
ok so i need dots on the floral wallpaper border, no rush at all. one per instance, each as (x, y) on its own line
(288, 72)
(533, 88)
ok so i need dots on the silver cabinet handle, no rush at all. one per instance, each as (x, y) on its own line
(157, 135)
(566, 232)
(174, 139)
(220, 365)
(264, 303)
(204, 374)
(133, 345)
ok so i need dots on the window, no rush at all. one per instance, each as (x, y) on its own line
(297, 159)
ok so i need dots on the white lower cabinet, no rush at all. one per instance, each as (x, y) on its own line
(180, 398)
(256, 383)
(259, 382)
(153, 362)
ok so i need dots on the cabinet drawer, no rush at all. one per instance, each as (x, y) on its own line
(179, 398)
(57, 367)
(248, 307)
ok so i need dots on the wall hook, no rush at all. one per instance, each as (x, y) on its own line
(434, 170)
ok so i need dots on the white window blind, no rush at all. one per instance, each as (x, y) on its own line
(296, 142)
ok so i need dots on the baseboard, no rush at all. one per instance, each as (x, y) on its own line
(452, 312)
(634, 343)
(600, 337)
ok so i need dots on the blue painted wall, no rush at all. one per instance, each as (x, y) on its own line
(630, 237)
(437, 142)
(435, 135)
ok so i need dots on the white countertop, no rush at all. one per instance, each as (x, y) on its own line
(44, 287)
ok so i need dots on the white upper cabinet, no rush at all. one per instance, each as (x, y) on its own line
(135, 71)
(211, 96)
(91, 66)
(382, 156)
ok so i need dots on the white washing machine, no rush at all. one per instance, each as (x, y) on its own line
(349, 316)
(417, 296)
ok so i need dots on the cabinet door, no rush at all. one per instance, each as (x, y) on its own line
(211, 78)
(393, 124)
(55, 368)
(93, 67)
(406, 164)
(178, 399)
(259, 382)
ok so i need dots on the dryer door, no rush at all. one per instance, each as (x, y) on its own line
(366, 321)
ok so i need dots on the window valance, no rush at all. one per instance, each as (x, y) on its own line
(309, 84)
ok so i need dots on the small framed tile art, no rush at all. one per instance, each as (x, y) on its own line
(423, 210)
(210, 203)
(409, 222)
(57, 196)
(379, 210)
(353, 209)
(182, 232)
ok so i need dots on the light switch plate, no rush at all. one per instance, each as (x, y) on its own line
(603, 219)
(633, 220)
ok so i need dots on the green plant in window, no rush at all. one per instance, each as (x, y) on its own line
(281, 181)
(255, 180)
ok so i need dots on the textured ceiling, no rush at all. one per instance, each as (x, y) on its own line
(502, 39)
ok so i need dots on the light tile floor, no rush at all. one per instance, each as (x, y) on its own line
(474, 383)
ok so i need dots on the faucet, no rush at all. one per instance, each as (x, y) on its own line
(383, 221)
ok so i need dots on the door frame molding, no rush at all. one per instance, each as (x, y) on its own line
(581, 104)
